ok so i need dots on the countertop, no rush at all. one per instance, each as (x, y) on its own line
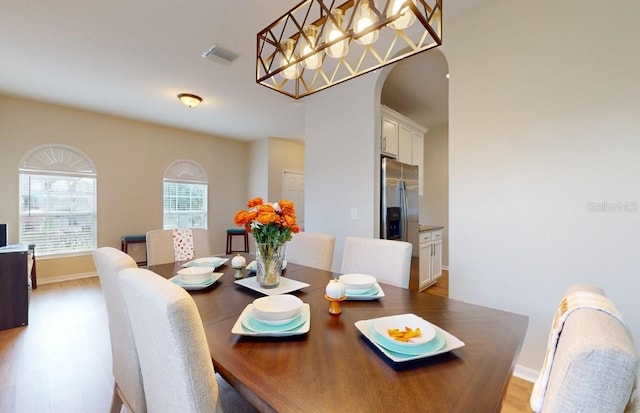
(427, 228)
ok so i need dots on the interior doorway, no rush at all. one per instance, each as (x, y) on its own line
(293, 190)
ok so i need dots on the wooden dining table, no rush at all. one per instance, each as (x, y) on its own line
(334, 368)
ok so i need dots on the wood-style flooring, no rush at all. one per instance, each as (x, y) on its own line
(61, 362)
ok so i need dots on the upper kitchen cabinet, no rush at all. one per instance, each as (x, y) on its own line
(403, 139)
(389, 140)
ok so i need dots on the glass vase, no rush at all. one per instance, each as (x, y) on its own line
(269, 259)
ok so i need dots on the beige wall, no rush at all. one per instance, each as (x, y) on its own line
(283, 155)
(130, 158)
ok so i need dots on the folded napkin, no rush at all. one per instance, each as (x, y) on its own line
(571, 302)
(182, 244)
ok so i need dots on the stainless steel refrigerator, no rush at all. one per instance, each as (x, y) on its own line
(399, 203)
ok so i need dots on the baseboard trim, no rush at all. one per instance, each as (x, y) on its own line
(525, 373)
(68, 277)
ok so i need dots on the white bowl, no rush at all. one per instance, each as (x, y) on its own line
(357, 282)
(276, 307)
(195, 274)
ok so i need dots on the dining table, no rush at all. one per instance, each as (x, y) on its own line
(334, 367)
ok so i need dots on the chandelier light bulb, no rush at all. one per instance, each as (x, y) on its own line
(364, 18)
(406, 18)
(334, 31)
(288, 56)
(315, 60)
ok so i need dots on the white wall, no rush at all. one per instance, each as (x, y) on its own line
(544, 119)
(342, 161)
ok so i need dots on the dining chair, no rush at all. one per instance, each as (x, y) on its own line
(128, 388)
(177, 370)
(388, 261)
(312, 249)
(591, 363)
(160, 245)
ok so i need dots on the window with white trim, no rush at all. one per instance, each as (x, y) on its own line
(185, 195)
(58, 200)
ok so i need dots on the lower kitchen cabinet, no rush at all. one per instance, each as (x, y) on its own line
(430, 264)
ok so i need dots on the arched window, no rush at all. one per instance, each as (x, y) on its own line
(185, 195)
(58, 200)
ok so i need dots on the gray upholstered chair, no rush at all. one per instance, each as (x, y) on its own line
(595, 363)
(177, 370)
(312, 249)
(160, 245)
(388, 261)
(128, 388)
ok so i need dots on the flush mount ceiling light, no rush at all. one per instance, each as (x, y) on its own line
(190, 100)
(318, 44)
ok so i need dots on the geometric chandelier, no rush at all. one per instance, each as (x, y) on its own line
(319, 43)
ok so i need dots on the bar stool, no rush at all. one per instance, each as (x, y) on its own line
(237, 232)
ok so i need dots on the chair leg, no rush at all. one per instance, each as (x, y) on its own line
(246, 242)
(116, 401)
(229, 243)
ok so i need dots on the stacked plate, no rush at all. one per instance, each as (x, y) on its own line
(212, 262)
(398, 337)
(275, 315)
(196, 278)
(361, 287)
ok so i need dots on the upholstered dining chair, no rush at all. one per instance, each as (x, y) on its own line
(160, 245)
(388, 261)
(312, 249)
(128, 388)
(177, 370)
(595, 362)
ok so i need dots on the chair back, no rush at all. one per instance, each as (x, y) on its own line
(388, 261)
(126, 366)
(595, 363)
(312, 249)
(177, 370)
(160, 245)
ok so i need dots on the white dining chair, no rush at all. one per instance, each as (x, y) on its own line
(594, 364)
(312, 249)
(388, 261)
(160, 245)
(177, 370)
(128, 389)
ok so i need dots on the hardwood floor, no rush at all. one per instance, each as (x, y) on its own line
(61, 362)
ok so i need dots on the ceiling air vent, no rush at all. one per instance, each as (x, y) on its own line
(220, 55)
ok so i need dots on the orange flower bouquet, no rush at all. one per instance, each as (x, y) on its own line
(271, 224)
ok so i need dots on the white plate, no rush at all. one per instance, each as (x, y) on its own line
(371, 295)
(200, 286)
(287, 285)
(206, 262)
(239, 329)
(451, 342)
(383, 324)
(252, 266)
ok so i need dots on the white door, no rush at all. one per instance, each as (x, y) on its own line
(293, 190)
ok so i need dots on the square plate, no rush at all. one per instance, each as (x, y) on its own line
(206, 262)
(451, 342)
(303, 329)
(287, 285)
(364, 297)
(200, 286)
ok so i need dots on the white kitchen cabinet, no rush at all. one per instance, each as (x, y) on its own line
(403, 139)
(389, 139)
(430, 264)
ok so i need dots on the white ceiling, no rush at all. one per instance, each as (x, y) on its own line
(131, 58)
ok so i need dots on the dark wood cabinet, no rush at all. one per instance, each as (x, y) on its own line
(14, 286)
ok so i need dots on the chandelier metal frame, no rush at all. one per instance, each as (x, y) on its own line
(296, 61)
